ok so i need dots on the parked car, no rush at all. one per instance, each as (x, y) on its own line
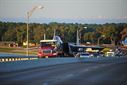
(110, 54)
(84, 55)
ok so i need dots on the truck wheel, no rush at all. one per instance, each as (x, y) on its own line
(46, 57)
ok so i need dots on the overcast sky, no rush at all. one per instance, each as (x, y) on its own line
(65, 10)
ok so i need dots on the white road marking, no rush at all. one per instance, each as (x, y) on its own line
(69, 75)
(46, 83)
(85, 70)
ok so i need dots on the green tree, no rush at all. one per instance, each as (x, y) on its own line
(10, 35)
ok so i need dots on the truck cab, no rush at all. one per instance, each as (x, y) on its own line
(48, 48)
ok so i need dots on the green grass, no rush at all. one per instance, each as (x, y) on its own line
(5, 49)
(17, 50)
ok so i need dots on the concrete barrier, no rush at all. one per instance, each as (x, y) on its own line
(15, 59)
(22, 65)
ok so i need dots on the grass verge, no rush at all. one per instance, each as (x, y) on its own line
(16, 50)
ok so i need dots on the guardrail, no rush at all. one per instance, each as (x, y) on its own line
(22, 65)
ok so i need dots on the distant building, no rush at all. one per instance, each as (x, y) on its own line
(30, 44)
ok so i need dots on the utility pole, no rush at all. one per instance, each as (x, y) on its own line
(29, 13)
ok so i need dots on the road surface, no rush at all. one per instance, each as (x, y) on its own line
(113, 73)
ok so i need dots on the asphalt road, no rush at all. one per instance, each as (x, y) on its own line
(113, 73)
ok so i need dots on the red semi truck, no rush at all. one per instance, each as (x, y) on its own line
(48, 48)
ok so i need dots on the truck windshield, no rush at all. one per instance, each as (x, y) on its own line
(47, 44)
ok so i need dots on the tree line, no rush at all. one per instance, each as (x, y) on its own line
(105, 33)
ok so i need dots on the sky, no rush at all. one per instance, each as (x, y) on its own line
(65, 11)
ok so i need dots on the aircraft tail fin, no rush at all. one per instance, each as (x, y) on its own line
(58, 39)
